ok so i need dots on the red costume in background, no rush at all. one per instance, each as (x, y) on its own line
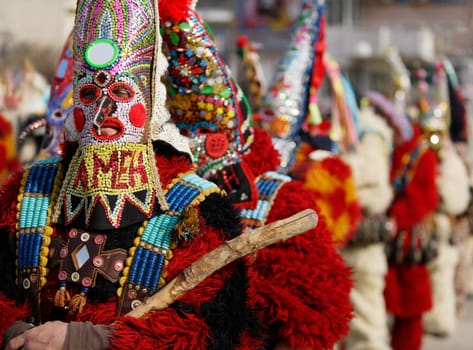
(408, 288)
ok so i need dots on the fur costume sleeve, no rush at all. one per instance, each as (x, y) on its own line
(453, 183)
(302, 285)
(370, 163)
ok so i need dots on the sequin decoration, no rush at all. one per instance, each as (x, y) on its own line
(200, 87)
(268, 186)
(118, 36)
(284, 107)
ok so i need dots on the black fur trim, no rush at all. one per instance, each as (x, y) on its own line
(7, 267)
(228, 218)
(228, 315)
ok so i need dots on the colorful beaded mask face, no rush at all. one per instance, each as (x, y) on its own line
(114, 44)
(203, 99)
(112, 180)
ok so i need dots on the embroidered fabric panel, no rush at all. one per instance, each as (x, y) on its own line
(146, 274)
(33, 210)
(268, 186)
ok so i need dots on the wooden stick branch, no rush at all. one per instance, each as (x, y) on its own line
(248, 242)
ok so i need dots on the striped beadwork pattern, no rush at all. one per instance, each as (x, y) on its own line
(268, 186)
(35, 204)
(155, 240)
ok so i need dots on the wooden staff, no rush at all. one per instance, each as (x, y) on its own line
(248, 242)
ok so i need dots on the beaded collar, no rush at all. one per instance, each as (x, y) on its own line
(39, 189)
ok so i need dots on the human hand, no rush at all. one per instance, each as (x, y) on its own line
(50, 335)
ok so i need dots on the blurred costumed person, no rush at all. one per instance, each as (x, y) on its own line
(88, 236)
(250, 72)
(60, 105)
(319, 159)
(365, 251)
(27, 99)
(289, 104)
(453, 187)
(311, 308)
(460, 134)
(413, 174)
(370, 161)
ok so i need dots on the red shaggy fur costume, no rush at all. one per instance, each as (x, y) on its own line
(299, 288)
(408, 291)
(302, 285)
(8, 161)
(168, 329)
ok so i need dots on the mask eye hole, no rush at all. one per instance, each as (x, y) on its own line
(89, 94)
(121, 92)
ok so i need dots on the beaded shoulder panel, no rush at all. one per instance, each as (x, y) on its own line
(268, 186)
(39, 189)
(144, 273)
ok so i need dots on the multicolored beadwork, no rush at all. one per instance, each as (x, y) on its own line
(202, 96)
(111, 176)
(125, 26)
(268, 186)
(284, 107)
(144, 273)
(37, 196)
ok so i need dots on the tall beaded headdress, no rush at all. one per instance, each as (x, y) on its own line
(284, 107)
(206, 103)
(201, 92)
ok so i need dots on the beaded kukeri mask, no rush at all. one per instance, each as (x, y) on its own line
(205, 102)
(203, 99)
(119, 109)
(113, 53)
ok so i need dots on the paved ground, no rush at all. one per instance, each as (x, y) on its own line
(462, 339)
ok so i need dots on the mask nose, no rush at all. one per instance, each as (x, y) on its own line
(104, 109)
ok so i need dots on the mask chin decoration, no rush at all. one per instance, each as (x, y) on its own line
(112, 180)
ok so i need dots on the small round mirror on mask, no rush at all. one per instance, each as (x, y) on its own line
(101, 53)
